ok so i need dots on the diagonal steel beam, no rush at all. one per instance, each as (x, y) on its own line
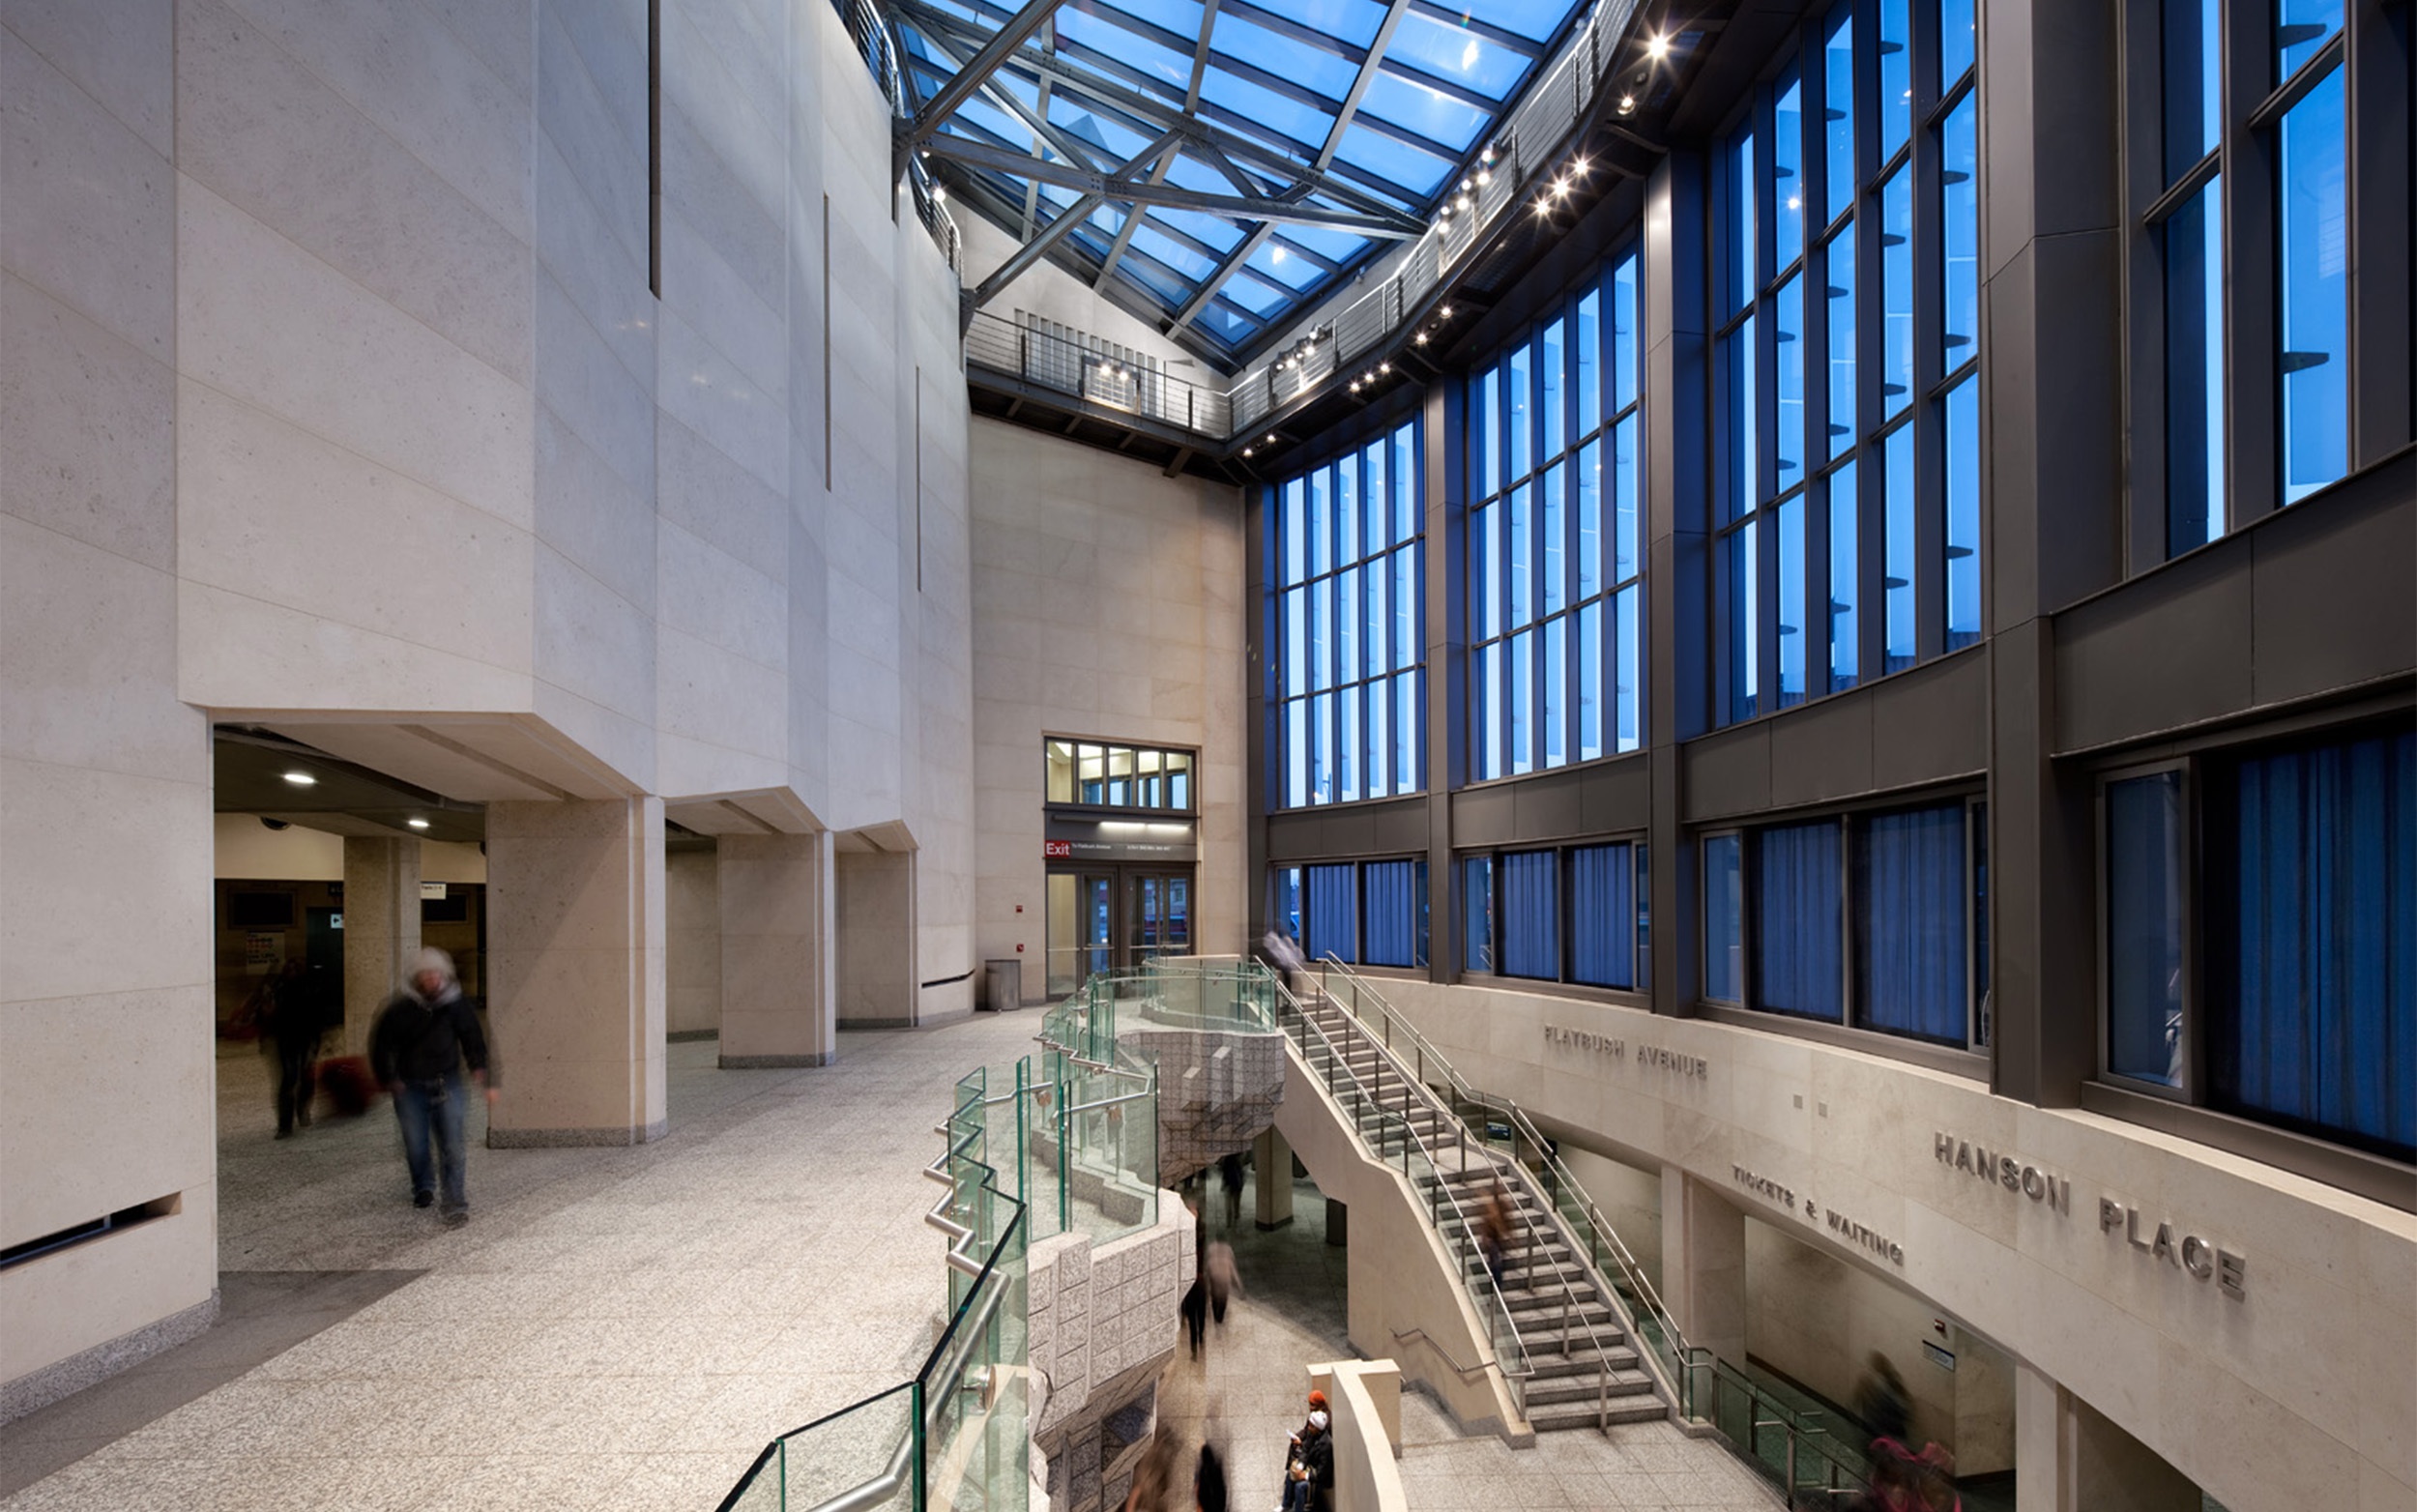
(1349, 107)
(978, 69)
(1200, 57)
(1075, 215)
(1354, 54)
(982, 155)
(1159, 175)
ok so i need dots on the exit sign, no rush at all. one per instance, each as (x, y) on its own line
(1054, 850)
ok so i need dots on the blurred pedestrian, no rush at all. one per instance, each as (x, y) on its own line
(1230, 1176)
(292, 1025)
(1196, 1311)
(1284, 953)
(1154, 1476)
(1494, 1232)
(1879, 1401)
(421, 1040)
(1209, 1480)
(1225, 1282)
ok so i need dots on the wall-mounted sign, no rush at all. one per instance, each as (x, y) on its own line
(1119, 840)
(1653, 1058)
(1057, 849)
(1845, 1229)
(1938, 1356)
(432, 893)
(2190, 1253)
(1992, 1169)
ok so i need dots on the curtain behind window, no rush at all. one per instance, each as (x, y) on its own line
(1532, 914)
(1799, 922)
(1910, 908)
(1393, 914)
(1331, 925)
(1603, 915)
(2312, 939)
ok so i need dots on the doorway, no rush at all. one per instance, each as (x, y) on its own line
(1108, 916)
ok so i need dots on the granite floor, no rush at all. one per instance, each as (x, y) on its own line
(626, 1327)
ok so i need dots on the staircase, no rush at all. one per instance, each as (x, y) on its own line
(1570, 1361)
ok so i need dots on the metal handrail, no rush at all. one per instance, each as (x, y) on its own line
(1600, 1229)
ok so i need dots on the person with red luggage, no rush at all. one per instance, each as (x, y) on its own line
(418, 1047)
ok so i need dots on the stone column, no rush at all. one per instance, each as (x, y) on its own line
(575, 946)
(2070, 1458)
(776, 960)
(873, 913)
(1704, 1265)
(1272, 1159)
(381, 927)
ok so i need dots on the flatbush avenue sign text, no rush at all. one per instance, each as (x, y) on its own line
(1659, 1058)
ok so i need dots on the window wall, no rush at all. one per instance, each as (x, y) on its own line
(1870, 921)
(1846, 294)
(1349, 669)
(1556, 601)
(1098, 775)
(1571, 913)
(1366, 912)
(2276, 136)
(2294, 1000)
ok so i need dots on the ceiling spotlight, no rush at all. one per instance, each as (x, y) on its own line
(1485, 176)
(417, 823)
(1627, 104)
(1658, 47)
(1466, 185)
(1355, 386)
(1271, 438)
(1420, 339)
(1579, 165)
(1487, 156)
(1560, 187)
(302, 779)
(1246, 451)
(1384, 368)
(939, 191)
(1445, 312)
(1463, 202)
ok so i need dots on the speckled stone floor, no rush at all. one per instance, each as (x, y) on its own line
(626, 1328)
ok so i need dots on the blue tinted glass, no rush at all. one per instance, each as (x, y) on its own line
(1518, 381)
(1741, 478)
(1436, 116)
(2194, 82)
(1346, 747)
(1589, 340)
(1346, 508)
(1838, 268)
(1954, 41)
(1551, 522)
(1960, 238)
(1746, 624)
(1321, 748)
(1010, 131)
(1394, 160)
(1963, 513)
(1405, 483)
(1277, 266)
(1244, 42)
(1297, 753)
(1553, 691)
(2145, 924)
(1790, 627)
(1322, 633)
(2313, 281)
(1628, 708)
(1534, 19)
(1250, 101)
(1079, 31)
(1346, 627)
(1550, 369)
(1590, 520)
(1896, 282)
(1723, 920)
(1787, 170)
(1380, 696)
(1740, 281)
(1228, 325)
(1837, 175)
(1295, 515)
(1435, 46)
(1897, 550)
(1485, 567)
(1183, 259)
(1321, 521)
(1591, 681)
(1335, 246)
(1520, 553)
(1896, 78)
(1406, 732)
(1842, 584)
(1625, 558)
(1406, 599)
(1490, 418)
(1250, 293)
(2194, 260)
(1799, 920)
(1379, 504)
(2300, 29)
(1788, 450)
(1206, 229)
(1476, 892)
(1489, 707)
(1296, 640)
(1522, 670)
(1624, 334)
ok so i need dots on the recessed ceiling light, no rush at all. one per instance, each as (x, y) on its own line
(302, 779)
(417, 823)
(1658, 47)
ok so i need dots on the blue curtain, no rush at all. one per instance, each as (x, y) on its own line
(2145, 923)
(1723, 908)
(1477, 914)
(1331, 917)
(1603, 915)
(1799, 922)
(1912, 900)
(1393, 903)
(1532, 914)
(2311, 936)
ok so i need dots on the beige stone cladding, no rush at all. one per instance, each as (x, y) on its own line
(1102, 1329)
(2301, 1378)
(1217, 1091)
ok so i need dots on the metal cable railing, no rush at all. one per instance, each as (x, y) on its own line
(868, 27)
(1086, 368)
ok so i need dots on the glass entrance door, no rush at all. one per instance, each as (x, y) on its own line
(1103, 917)
(1159, 921)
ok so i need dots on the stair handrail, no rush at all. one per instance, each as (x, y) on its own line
(1667, 1359)
(1512, 1375)
(1573, 1308)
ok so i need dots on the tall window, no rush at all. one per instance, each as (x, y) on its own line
(1555, 549)
(1371, 913)
(1576, 915)
(1871, 921)
(2294, 1000)
(1349, 668)
(1846, 284)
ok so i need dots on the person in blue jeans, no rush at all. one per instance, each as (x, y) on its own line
(423, 1037)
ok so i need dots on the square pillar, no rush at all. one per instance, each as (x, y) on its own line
(874, 917)
(778, 964)
(1704, 1265)
(1271, 1165)
(576, 921)
(381, 928)
(693, 944)
(2071, 1458)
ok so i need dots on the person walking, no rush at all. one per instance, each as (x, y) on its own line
(421, 1040)
(1230, 1177)
(294, 1026)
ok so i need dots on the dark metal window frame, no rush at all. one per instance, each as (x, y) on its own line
(1078, 806)
(1564, 984)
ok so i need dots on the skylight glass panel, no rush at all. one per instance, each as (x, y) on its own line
(1259, 298)
(1334, 246)
(1308, 67)
(1534, 19)
(1218, 233)
(1455, 53)
(1434, 116)
(1355, 21)
(1191, 173)
(1163, 283)
(1274, 265)
(997, 122)
(1226, 323)
(1396, 162)
(1174, 254)
(1116, 141)
(1115, 42)
(1299, 122)
(1182, 16)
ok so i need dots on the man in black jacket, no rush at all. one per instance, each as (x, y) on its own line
(418, 1047)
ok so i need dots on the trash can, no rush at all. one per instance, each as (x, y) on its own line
(1006, 984)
